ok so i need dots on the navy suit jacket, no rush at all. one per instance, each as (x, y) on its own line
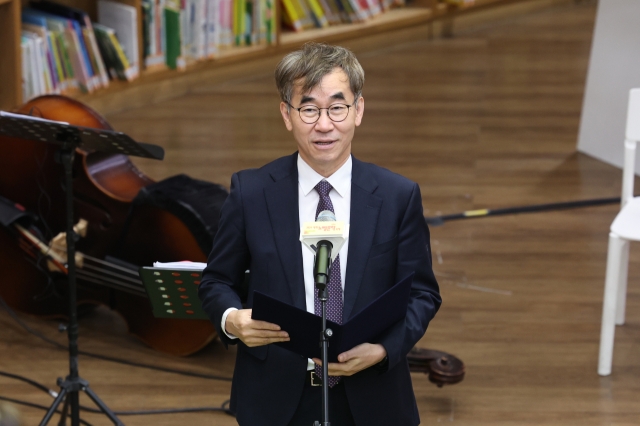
(259, 231)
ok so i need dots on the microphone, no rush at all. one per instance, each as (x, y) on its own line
(322, 264)
(325, 228)
(325, 238)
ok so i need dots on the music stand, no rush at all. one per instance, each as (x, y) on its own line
(67, 138)
(173, 293)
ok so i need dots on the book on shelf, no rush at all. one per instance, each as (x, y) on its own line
(212, 32)
(269, 19)
(113, 55)
(48, 66)
(226, 23)
(387, 4)
(238, 22)
(374, 7)
(317, 14)
(123, 19)
(27, 77)
(153, 38)
(308, 21)
(94, 54)
(250, 33)
(33, 78)
(331, 11)
(194, 30)
(294, 15)
(340, 9)
(356, 11)
(173, 39)
(73, 63)
(83, 27)
(211, 28)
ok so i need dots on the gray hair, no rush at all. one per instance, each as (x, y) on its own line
(312, 63)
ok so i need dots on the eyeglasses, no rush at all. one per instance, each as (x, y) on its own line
(311, 113)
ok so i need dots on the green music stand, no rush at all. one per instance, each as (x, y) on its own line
(173, 292)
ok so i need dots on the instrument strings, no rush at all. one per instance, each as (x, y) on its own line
(125, 279)
(116, 277)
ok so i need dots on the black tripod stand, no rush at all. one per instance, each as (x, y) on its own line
(67, 138)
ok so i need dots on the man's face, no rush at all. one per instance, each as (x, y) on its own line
(325, 145)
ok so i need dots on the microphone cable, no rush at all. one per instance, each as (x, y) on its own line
(470, 214)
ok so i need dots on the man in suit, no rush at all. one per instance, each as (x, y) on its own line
(320, 87)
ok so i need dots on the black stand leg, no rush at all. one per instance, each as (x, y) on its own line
(65, 411)
(54, 407)
(73, 384)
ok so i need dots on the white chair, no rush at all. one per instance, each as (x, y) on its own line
(625, 228)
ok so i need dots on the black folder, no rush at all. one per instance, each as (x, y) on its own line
(304, 327)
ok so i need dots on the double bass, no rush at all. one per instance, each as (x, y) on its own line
(131, 220)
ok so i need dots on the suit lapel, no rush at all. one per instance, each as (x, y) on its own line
(282, 203)
(365, 208)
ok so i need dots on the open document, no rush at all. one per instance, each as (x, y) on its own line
(304, 327)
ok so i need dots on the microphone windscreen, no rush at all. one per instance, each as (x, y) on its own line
(326, 216)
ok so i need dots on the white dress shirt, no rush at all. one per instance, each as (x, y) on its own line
(308, 199)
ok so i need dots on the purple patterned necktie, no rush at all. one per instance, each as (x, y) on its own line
(334, 302)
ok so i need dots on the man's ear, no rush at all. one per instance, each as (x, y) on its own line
(359, 110)
(286, 116)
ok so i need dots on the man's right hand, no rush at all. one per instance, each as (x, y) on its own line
(252, 332)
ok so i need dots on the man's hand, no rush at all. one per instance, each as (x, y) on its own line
(253, 333)
(356, 359)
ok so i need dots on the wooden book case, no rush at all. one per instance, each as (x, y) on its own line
(417, 12)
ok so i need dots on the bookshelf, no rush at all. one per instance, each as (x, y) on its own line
(10, 68)
(389, 20)
(122, 94)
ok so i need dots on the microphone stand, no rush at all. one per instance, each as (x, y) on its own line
(321, 275)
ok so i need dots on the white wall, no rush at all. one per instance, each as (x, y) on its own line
(614, 68)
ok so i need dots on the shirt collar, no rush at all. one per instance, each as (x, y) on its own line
(340, 180)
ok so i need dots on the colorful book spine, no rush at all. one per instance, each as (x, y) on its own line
(342, 10)
(77, 60)
(48, 61)
(212, 28)
(65, 59)
(123, 19)
(27, 79)
(269, 18)
(375, 8)
(293, 15)
(172, 37)
(248, 29)
(238, 22)
(317, 14)
(331, 11)
(115, 59)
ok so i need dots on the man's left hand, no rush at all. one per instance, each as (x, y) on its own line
(356, 359)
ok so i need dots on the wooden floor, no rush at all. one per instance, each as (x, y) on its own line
(486, 119)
